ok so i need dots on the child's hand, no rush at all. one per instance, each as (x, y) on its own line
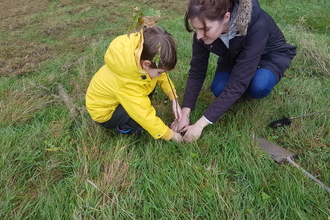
(182, 122)
(175, 125)
(177, 137)
(176, 109)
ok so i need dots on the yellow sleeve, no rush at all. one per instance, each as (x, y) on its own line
(135, 101)
(168, 135)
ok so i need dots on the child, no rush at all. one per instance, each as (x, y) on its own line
(253, 56)
(118, 94)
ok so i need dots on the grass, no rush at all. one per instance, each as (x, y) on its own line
(57, 164)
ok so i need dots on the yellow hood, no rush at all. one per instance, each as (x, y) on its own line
(126, 64)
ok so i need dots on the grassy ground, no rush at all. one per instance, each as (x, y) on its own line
(57, 164)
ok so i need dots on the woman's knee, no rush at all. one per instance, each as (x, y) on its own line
(259, 92)
(216, 89)
(219, 83)
(262, 84)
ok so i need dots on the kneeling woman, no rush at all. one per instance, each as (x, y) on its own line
(253, 56)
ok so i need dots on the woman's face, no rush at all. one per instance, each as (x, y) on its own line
(213, 29)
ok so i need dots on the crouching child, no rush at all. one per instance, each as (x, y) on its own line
(118, 94)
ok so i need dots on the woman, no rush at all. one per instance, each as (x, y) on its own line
(253, 56)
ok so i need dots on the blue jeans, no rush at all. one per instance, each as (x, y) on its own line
(261, 84)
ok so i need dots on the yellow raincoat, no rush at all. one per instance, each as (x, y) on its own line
(123, 81)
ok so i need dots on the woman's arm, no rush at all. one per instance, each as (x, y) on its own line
(197, 73)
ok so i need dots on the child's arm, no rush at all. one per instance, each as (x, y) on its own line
(167, 86)
(176, 109)
(135, 101)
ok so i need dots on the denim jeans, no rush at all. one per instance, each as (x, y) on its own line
(261, 84)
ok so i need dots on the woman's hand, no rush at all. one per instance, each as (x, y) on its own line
(193, 132)
(182, 122)
(176, 137)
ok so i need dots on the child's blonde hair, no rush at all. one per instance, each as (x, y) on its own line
(158, 41)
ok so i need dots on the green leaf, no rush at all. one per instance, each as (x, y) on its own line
(156, 58)
(265, 196)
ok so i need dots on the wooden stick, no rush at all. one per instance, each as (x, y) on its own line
(309, 114)
(308, 174)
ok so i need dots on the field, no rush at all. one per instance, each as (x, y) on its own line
(56, 163)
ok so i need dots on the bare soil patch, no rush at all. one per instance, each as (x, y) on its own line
(18, 8)
(28, 27)
(18, 56)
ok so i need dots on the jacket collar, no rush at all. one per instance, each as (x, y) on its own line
(243, 17)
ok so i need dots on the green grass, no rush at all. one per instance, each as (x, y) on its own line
(57, 164)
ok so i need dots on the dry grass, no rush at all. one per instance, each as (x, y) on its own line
(9, 9)
(115, 175)
(313, 53)
(23, 52)
(19, 56)
(21, 105)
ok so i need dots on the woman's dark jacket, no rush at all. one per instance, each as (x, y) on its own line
(263, 46)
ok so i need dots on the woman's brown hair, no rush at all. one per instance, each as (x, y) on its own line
(213, 10)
